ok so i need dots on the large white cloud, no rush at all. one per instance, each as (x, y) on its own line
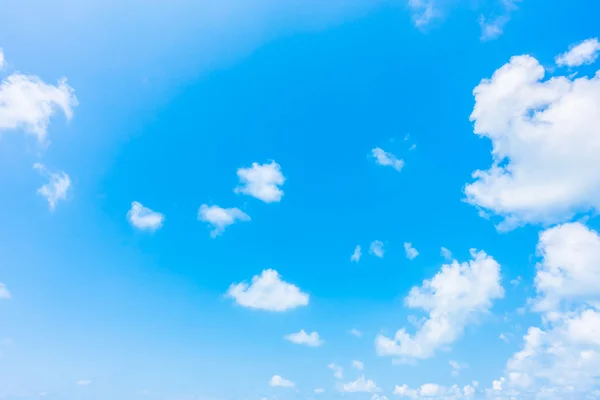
(268, 292)
(220, 218)
(453, 298)
(57, 187)
(144, 218)
(570, 266)
(27, 103)
(546, 140)
(561, 358)
(261, 181)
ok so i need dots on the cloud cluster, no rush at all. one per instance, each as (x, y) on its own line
(545, 138)
(563, 355)
(453, 298)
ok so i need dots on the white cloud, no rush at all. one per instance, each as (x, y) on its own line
(405, 391)
(278, 381)
(376, 249)
(358, 365)
(562, 357)
(338, 372)
(378, 397)
(83, 382)
(220, 218)
(4, 293)
(434, 391)
(309, 339)
(503, 337)
(585, 52)
(430, 390)
(268, 292)
(545, 137)
(28, 103)
(516, 281)
(2, 60)
(492, 28)
(453, 298)
(356, 255)
(497, 384)
(456, 367)
(570, 266)
(355, 332)
(57, 187)
(319, 390)
(411, 252)
(423, 11)
(261, 181)
(447, 254)
(360, 385)
(387, 159)
(144, 218)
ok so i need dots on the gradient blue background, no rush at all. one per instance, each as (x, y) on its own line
(173, 99)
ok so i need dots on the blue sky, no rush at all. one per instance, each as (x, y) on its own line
(181, 216)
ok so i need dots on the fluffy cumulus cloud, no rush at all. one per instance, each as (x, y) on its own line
(545, 138)
(376, 249)
(585, 52)
(355, 257)
(27, 103)
(361, 384)
(220, 218)
(278, 381)
(453, 298)
(144, 218)
(268, 292)
(561, 358)
(387, 159)
(57, 187)
(261, 181)
(4, 293)
(308, 339)
(570, 266)
(411, 252)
